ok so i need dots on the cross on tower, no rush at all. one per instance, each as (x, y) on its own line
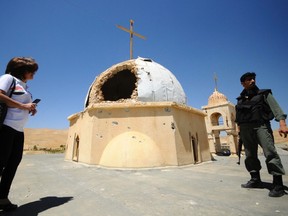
(131, 36)
(215, 79)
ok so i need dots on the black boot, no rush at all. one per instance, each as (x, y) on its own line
(6, 205)
(278, 187)
(254, 182)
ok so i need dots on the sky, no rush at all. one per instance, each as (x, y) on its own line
(74, 41)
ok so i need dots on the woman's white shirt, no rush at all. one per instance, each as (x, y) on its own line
(16, 118)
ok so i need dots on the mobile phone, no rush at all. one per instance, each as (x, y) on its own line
(36, 101)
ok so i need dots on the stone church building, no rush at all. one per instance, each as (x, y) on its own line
(136, 116)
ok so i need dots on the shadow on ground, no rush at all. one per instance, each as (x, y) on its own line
(269, 186)
(34, 208)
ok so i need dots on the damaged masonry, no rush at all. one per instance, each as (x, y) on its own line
(117, 83)
(136, 116)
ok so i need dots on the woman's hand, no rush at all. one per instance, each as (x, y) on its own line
(33, 112)
(31, 107)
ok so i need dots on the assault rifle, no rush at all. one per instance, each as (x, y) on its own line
(240, 143)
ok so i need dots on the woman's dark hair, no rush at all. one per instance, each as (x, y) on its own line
(18, 66)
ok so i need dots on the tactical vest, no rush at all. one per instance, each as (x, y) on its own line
(254, 109)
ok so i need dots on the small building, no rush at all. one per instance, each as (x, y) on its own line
(220, 118)
(135, 116)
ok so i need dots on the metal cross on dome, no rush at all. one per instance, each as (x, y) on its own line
(131, 36)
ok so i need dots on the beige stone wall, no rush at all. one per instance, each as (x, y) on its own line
(138, 135)
(226, 111)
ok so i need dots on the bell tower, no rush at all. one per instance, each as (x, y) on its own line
(220, 122)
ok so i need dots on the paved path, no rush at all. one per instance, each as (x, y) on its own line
(47, 185)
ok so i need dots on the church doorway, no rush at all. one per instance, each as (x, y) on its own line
(194, 148)
(75, 156)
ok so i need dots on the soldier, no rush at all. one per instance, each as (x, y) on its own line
(254, 110)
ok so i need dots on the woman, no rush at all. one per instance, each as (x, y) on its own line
(20, 105)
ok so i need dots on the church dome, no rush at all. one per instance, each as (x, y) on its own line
(217, 98)
(138, 79)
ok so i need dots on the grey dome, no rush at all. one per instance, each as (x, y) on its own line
(138, 79)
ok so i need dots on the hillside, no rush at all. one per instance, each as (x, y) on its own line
(38, 139)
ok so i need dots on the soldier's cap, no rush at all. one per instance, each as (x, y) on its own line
(248, 74)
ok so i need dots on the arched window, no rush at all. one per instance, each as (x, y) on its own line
(216, 119)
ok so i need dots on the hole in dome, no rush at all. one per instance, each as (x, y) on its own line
(119, 86)
(148, 60)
